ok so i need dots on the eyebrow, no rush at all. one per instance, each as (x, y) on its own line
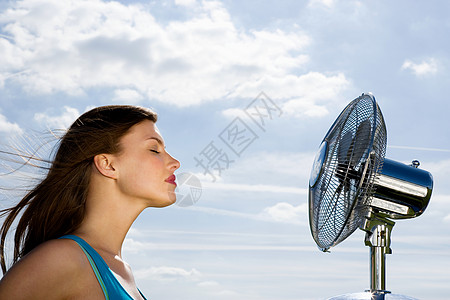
(158, 140)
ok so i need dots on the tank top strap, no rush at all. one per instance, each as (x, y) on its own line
(111, 287)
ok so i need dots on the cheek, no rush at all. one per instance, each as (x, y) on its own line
(148, 172)
(136, 170)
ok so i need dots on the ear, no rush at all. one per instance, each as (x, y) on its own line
(103, 163)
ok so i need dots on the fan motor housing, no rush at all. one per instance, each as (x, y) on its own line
(401, 191)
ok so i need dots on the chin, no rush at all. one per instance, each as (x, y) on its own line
(163, 202)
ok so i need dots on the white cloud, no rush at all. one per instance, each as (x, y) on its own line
(74, 45)
(280, 171)
(242, 246)
(165, 273)
(447, 218)
(185, 2)
(133, 246)
(440, 171)
(228, 213)
(127, 95)
(228, 294)
(327, 3)
(419, 148)
(6, 75)
(6, 37)
(281, 212)
(286, 213)
(8, 127)
(208, 284)
(232, 113)
(426, 67)
(304, 95)
(62, 121)
(277, 172)
(314, 86)
(300, 107)
(262, 188)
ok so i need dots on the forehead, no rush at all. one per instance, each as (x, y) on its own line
(142, 131)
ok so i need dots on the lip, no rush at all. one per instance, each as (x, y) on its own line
(171, 179)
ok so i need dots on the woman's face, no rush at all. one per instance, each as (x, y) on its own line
(145, 169)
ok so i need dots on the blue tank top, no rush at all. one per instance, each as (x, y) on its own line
(111, 287)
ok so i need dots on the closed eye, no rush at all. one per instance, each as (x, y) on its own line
(154, 151)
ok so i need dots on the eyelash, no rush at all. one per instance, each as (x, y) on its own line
(155, 151)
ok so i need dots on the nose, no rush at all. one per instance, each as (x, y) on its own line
(173, 163)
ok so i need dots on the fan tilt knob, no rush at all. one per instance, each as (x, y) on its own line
(415, 163)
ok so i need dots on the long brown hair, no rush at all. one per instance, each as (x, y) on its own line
(56, 206)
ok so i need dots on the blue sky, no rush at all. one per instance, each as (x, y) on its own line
(200, 64)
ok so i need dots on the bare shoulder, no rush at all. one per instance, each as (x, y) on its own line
(50, 271)
(57, 252)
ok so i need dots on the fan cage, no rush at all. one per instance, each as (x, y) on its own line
(338, 205)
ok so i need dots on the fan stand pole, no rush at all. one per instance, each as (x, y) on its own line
(378, 237)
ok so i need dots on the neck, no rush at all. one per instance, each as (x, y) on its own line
(106, 231)
(108, 217)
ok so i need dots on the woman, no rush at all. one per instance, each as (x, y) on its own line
(111, 164)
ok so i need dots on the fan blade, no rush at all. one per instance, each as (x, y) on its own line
(344, 148)
(330, 208)
(361, 142)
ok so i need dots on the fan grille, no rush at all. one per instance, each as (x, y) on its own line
(341, 195)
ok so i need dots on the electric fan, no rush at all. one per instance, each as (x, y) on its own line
(353, 186)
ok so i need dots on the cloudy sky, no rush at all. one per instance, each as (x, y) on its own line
(204, 66)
